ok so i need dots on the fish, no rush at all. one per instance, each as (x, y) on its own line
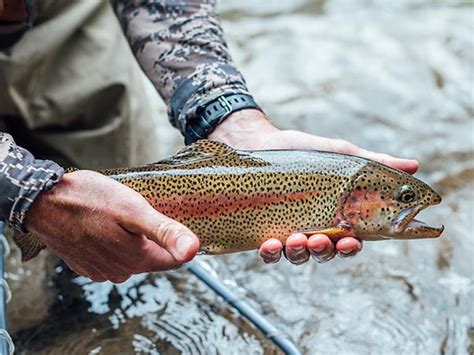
(234, 200)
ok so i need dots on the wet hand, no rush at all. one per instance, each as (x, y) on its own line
(106, 231)
(299, 248)
(251, 130)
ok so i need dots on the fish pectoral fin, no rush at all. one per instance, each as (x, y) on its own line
(342, 230)
(30, 245)
(204, 150)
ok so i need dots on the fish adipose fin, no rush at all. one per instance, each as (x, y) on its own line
(203, 151)
(30, 245)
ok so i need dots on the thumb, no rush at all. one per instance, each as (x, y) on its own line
(169, 234)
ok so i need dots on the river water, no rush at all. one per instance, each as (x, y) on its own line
(396, 77)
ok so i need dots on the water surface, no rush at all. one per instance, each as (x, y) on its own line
(395, 77)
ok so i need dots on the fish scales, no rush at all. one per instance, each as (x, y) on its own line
(237, 208)
(235, 200)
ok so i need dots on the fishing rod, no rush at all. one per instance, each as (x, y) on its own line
(257, 319)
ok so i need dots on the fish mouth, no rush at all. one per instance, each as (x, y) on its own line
(405, 225)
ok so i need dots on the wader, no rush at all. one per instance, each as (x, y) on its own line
(71, 90)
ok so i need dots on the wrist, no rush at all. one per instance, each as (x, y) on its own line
(40, 210)
(242, 128)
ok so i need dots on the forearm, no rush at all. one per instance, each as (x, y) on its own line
(181, 48)
(22, 179)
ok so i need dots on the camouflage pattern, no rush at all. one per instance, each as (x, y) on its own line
(104, 119)
(22, 178)
(180, 46)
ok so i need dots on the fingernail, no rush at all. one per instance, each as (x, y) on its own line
(297, 249)
(183, 244)
(319, 248)
(348, 253)
(299, 261)
(270, 258)
(323, 258)
(273, 251)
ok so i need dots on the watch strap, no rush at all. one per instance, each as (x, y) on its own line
(210, 115)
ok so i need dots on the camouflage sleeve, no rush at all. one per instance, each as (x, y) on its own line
(22, 178)
(180, 46)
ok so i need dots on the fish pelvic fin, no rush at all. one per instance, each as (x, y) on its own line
(30, 245)
(342, 230)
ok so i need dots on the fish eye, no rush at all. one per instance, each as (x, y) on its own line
(405, 194)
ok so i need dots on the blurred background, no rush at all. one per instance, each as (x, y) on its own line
(391, 76)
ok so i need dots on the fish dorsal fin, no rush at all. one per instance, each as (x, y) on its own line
(201, 154)
(199, 151)
(206, 153)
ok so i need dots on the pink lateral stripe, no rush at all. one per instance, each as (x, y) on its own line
(217, 205)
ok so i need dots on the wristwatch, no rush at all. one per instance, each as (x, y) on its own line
(211, 114)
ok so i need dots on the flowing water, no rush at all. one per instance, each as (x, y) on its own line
(392, 76)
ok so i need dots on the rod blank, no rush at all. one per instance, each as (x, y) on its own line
(267, 328)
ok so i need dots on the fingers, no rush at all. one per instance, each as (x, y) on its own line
(409, 166)
(172, 236)
(298, 248)
(300, 140)
(347, 247)
(321, 248)
(134, 254)
(98, 275)
(154, 258)
(296, 251)
(270, 251)
(87, 270)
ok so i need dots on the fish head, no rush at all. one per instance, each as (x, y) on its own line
(384, 202)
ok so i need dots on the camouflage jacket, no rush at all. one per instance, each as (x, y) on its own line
(22, 178)
(179, 45)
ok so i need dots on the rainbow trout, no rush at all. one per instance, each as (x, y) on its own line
(235, 200)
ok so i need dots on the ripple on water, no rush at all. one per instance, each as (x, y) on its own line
(390, 77)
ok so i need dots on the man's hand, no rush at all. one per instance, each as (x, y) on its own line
(251, 130)
(106, 231)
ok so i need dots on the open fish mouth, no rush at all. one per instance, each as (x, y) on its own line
(406, 226)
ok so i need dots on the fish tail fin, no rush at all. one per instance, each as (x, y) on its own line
(30, 245)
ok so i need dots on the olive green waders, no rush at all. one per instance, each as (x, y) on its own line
(71, 90)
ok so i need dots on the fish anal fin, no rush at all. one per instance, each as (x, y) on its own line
(30, 245)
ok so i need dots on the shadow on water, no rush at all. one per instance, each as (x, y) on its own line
(389, 76)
